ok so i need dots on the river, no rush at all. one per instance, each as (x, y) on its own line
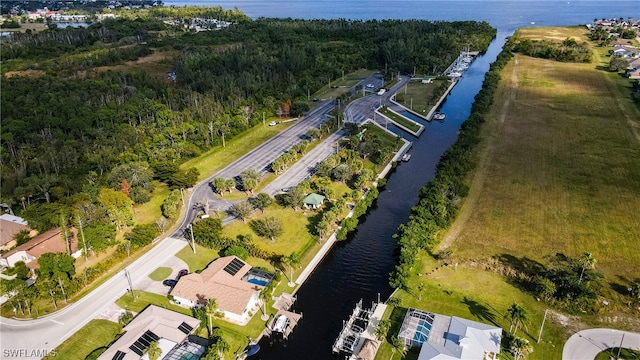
(359, 267)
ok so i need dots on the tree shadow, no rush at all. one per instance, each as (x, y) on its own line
(523, 264)
(482, 312)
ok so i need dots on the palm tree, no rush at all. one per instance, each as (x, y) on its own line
(220, 347)
(586, 261)
(153, 351)
(292, 260)
(264, 296)
(211, 309)
(520, 348)
(517, 315)
(382, 329)
(397, 345)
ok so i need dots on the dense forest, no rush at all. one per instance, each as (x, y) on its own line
(71, 130)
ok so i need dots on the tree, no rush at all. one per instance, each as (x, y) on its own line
(241, 210)
(586, 261)
(293, 260)
(382, 329)
(208, 232)
(221, 185)
(21, 237)
(249, 185)
(171, 205)
(517, 316)
(59, 269)
(269, 227)
(118, 207)
(520, 347)
(125, 318)
(294, 197)
(261, 201)
(398, 346)
(211, 309)
(153, 351)
(21, 270)
(236, 250)
(341, 173)
(134, 178)
(618, 63)
(313, 133)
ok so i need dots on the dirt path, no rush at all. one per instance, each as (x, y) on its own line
(485, 158)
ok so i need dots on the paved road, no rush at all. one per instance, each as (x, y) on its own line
(259, 159)
(362, 109)
(47, 332)
(302, 169)
(586, 344)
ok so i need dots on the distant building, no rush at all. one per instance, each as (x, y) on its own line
(168, 328)
(9, 226)
(449, 338)
(231, 282)
(47, 242)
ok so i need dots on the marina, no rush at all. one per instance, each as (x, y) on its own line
(357, 337)
(461, 64)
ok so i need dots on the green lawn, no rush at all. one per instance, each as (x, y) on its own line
(400, 120)
(198, 260)
(150, 211)
(160, 273)
(94, 335)
(421, 97)
(144, 299)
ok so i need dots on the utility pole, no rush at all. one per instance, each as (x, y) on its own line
(133, 294)
(193, 242)
(263, 118)
(542, 325)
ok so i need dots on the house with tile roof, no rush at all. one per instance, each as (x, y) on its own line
(51, 241)
(449, 337)
(224, 280)
(171, 330)
(9, 226)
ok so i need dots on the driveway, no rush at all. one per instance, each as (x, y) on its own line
(587, 344)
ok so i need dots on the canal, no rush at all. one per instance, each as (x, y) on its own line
(359, 267)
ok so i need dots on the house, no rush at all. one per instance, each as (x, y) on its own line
(170, 329)
(448, 337)
(47, 242)
(10, 225)
(313, 201)
(633, 71)
(229, 281)
(626, 52)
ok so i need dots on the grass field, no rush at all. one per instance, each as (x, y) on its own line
(400, 120)
(160, 273)
(420, 97)
(558, 172)
(560, 169)
(94, 335)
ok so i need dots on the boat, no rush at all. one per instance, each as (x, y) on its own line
(438, 116)
(280, 324)
(455, 74)
(406, 157)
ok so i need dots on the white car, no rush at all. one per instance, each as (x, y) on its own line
(273, 123)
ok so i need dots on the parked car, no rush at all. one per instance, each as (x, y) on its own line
(170, 282)
(273, 123)
(182, 273)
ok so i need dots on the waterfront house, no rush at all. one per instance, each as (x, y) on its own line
(227, 281)
(171, 330)
(449, 337)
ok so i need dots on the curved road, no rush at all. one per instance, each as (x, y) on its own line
(587, 344)
(33, 338)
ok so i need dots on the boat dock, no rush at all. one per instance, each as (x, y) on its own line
(460, 64)
(294, 318)
(358, 328)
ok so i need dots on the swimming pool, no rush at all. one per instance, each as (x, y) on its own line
(422, 332)
(258, 281)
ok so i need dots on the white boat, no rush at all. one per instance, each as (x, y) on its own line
(455, 74)
(280, 324)
(438, 116)
(406, 157)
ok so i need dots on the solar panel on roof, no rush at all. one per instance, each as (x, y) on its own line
(143, 342)
(118, 356)
(234, 266)
(185, 328)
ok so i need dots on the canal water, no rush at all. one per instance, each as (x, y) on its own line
(359, 267)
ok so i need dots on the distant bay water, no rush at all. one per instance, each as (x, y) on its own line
(505, 15)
